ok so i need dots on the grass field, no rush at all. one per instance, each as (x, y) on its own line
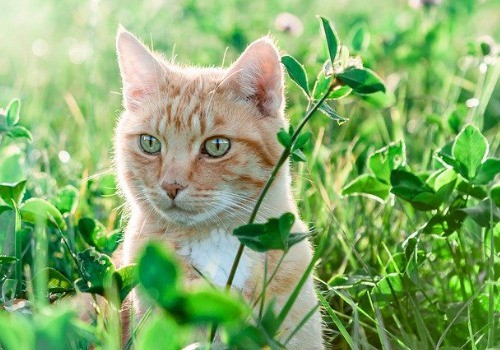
(410, 235)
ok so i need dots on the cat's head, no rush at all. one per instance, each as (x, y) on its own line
(196, 145)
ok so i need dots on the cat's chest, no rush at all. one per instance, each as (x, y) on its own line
(213, 256)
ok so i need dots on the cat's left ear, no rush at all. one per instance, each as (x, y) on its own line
(140, 70)
(257, 76)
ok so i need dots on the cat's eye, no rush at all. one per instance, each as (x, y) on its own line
(150, 144)
(216, 146)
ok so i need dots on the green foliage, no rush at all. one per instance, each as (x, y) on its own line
(95, 234)
(332, 40)
(296, 72)
(274, 234)
(415, 269)
(40, 212)
(363, 81)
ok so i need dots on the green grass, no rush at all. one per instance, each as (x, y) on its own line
(385, 281)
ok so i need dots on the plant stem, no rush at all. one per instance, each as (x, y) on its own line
(270, 180)
(18, 250)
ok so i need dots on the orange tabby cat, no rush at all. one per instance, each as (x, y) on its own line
(194, 147)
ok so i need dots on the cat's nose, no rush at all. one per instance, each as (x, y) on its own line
(172, 189)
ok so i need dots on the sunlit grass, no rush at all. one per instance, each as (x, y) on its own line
(59, 59)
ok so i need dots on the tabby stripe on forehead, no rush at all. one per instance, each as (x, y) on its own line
(195, 98)
(174, 106)
(191, 105)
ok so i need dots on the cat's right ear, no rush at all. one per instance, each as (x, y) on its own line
(139, 68)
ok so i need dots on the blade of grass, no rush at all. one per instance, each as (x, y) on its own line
(452, 322)
(491, 279)
(337, 321)
(41, 261)
(18, 249)
(381, 331)
(302, 323)
(296, 291)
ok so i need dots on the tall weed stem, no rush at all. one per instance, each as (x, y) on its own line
(270, 180)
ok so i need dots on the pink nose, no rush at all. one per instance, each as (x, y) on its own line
(172, 189)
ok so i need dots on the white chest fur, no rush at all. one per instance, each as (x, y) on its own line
(214, 254)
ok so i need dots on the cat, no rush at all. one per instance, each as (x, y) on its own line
(193, 150)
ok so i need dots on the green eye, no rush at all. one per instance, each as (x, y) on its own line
(216, 146)
(150, 144)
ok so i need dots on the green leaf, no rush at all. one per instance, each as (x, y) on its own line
(96, 269)
(457, 117)
(156, 261)
(106, 185)
(386, 159)
(426, 201)
(441, 178)
(339, 92)
(4, 208)
(54, 328)
(161, 333)
(332, 39)
(13, 110)
(126, 279)
(12, 167)
(487, 171)
(269, 320)
(19, 131)
(7, 260)
(246, 336)
(330, 112)
(407, 185)
(274, 234)
(469, 189)
(17, 332)
(302, 140)
(95, 234)
(66, 199)
(359, 37)
(469, 149)
(445, 225)
(37, 210)
(284, 138)
(444, 192)
(298, 156)
(212, 306)
(388, 287)
(361, 80)
(56, 281)
(12, 191)
(322, 83)
(367, 185)
(411, 188)
(483, 213)
(495, 195)
(113, 241)
(297, 72)
(444, 155)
